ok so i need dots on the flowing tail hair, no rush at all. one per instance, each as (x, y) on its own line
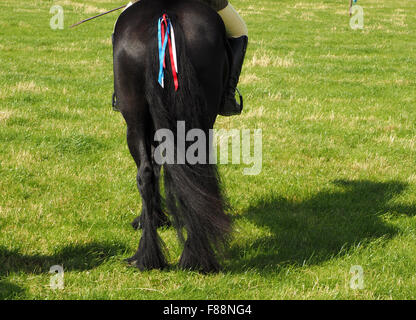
(193, 192)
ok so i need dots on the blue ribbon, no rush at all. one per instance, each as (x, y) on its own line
(162, 47)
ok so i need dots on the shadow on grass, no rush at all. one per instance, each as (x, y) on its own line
(320, 228)
(9, 290)
(73, 257)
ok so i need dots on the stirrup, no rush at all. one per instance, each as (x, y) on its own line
(114, 103)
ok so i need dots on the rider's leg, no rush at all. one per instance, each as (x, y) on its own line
(238, 38)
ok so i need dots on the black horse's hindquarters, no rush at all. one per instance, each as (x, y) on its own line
(193, 194)
(205, 42)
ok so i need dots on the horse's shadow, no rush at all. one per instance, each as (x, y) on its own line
(72, 258)
(327, 225)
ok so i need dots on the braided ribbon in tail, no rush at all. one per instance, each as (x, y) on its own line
(166, 37)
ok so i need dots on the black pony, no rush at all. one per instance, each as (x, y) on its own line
(193, 195)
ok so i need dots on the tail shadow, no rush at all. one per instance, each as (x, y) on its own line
(317, 229)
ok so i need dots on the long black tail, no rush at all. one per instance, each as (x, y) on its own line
(193, 193)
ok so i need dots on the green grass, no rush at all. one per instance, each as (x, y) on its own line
(337, 189)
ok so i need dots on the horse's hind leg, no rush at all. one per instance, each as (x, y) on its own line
(149, 254)
(135, 111)
(129, 88)
(160, 218)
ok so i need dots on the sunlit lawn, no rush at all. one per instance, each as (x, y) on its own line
(337, 188)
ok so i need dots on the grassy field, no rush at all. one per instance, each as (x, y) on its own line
(337, 189)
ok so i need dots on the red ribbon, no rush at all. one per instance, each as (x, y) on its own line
(164, 25)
